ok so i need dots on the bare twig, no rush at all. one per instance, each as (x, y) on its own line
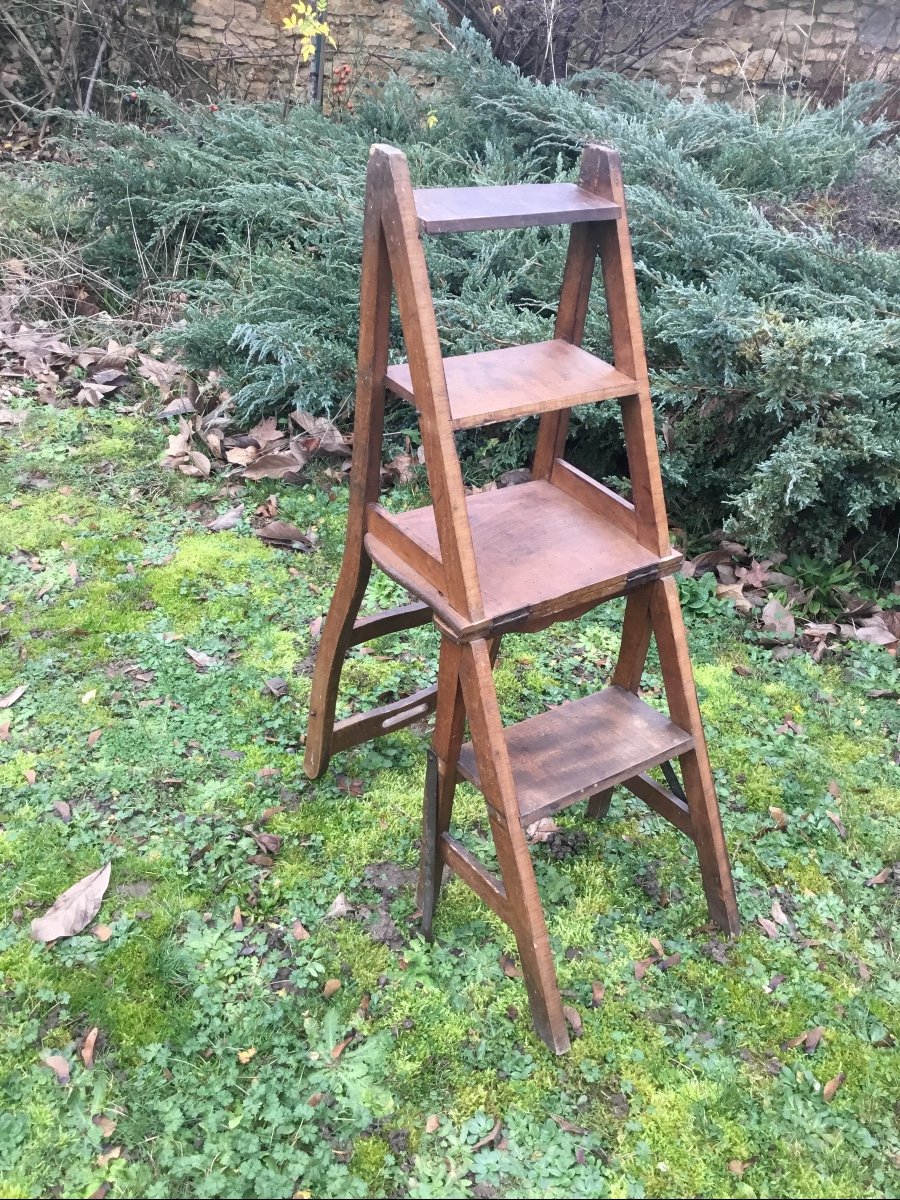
(98, 61)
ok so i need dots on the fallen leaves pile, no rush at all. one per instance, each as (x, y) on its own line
(749, 584)
(263, 452)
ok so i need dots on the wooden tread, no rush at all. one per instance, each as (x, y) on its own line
(538, 551)
(515, 206)
(583, 747)
(516, 381)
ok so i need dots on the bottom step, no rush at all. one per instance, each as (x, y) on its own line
(585, 746)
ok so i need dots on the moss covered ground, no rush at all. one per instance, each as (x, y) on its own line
(218, 1068)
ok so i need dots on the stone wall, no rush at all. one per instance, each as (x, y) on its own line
(758, 44)
(239, 47)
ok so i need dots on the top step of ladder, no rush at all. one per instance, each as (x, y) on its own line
(514, 206)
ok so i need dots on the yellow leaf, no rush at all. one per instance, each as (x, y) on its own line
(244, 1056)
(89, 696)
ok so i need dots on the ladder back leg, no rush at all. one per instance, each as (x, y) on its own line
(440, 784)
(699, 788)
(526, 915)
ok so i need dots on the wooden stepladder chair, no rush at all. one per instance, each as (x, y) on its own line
(520, 558)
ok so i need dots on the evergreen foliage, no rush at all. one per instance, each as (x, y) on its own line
(774, 346)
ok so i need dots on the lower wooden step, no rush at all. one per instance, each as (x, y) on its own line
(568, 753)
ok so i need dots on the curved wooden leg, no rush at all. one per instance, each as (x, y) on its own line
(365, 477)
(337, 637)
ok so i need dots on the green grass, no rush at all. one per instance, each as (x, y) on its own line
(212, 1039)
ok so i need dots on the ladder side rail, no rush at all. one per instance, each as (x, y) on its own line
(630, 358)
(413, 290)
(365, 478)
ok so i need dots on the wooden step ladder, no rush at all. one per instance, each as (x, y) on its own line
(517, 559)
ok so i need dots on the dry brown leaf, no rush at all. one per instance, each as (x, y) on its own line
(59, 1066)
(300, 932)
(832, 1086)
(837, 823)
(241, 456)
(102, 932)
(573, 1017)
(779, 816)
(4, 731)
(777, 619)
(778, 914)
(227, 520)
(244, 1056)
(490, 1138)
(882, 877)
(63, 810)
(509, 968)
(277, 686)
(770, 927)
(339, 1049)
(568, 1126)
(10, 698)
(280, 533)
(331, 986)
(774, 982)
(261, 860)
(161, 374)
(876, 635)
(94, 737)
(542, 830)
(339, 907)
(30, 775)
(756, 575)
(181, 406)
(812, 1039)
(199, 462)
(353, 787)
(269, 843)
(735, 593)
(433, 1123)
(104, 1160)
(401, 469)
(275, 466)
(323, 436)
(87, 1050)
(74, 908)
(641, 966)
(201, 660)
(265, 433)
(598, 991)
(736, 1167)
(237, 920)
(9, 416)
(106, 1125)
